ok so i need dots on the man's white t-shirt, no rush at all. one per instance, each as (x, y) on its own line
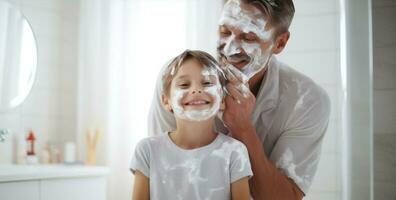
(197, 174)
(291, 116)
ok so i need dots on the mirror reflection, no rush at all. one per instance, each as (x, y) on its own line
(18, 57)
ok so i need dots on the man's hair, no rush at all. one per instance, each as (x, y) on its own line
(279, 12)
(205, 59)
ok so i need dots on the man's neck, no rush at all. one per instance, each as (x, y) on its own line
(256, 80)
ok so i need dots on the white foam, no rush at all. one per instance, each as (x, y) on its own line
(286, 164)
(253, 22)
(198, 115)
(246, 21)
(232, 147)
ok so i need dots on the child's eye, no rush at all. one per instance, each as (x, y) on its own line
(183, 85)
(207, 83)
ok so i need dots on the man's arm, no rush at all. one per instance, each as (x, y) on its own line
(267, 181)
(296, 152)
(240, 189)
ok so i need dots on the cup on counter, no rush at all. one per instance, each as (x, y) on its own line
(69, 153)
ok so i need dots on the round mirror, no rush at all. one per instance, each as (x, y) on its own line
(18, 57)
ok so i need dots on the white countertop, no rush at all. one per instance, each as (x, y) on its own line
(10, 173)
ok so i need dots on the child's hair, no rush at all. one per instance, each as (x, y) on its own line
(205, 59)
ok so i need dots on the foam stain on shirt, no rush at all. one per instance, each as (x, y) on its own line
(192, 166)
(232, 147)
(194, 178)
(287, 165)
(302, 95)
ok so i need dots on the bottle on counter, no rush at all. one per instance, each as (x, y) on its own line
(69, 153)
(45, 157)
(31, 157)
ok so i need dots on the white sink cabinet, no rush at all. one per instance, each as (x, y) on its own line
(52, 182)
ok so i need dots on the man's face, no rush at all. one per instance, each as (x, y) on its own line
(245, 38)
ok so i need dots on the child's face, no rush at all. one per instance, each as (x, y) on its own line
(195, 92)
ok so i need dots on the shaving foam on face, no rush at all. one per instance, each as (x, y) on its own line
(214, 90)
(233, 73)
(247, 21)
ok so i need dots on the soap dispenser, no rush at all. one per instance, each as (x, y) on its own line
(31, 157)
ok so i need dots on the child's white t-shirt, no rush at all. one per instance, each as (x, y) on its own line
(203, 173)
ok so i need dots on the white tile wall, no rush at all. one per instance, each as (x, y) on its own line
(315, 7)
(314, 33)
(50, 109)
(384, 31)
(313, 49)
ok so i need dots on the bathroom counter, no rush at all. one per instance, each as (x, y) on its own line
(49, 182)
(10, 173)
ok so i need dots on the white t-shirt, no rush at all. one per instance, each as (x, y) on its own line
(291, 117)
(203, 173)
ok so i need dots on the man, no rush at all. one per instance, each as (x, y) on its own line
(279, 114)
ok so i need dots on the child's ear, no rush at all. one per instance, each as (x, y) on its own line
(166, 103)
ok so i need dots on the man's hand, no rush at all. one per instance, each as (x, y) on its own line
(240, 103)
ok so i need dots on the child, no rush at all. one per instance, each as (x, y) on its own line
(193, 161)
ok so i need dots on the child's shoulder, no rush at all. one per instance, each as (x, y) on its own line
(230, 141)
(151, 141)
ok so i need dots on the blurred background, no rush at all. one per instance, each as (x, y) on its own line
(98, 61)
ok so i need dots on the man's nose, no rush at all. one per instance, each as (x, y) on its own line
(232, 46)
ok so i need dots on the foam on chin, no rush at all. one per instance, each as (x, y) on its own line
(258, 60)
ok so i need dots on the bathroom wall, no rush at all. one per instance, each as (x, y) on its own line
(384, 44)
(50, 108)
(314, 49)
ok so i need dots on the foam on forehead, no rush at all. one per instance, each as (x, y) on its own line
(245, 20)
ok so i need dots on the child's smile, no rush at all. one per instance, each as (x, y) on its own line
(197, 103)
(196, 92)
